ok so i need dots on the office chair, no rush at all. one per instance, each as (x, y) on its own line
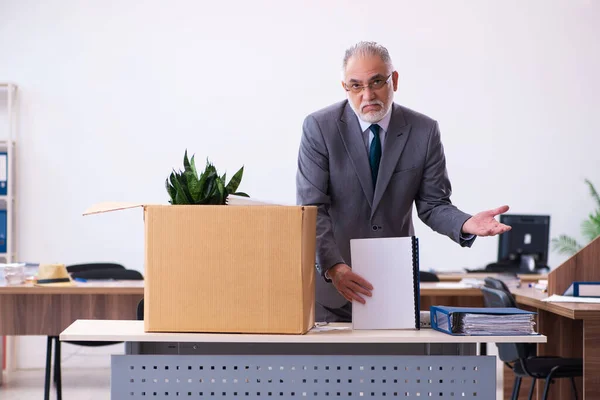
(525, 365)
(495, 283)
(89, 271)
(500, 285)
(93, 266)
(140, 310)
(104, 274)
(425, 276)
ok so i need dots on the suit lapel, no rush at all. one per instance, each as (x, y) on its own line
(351, 135)
(395, 140)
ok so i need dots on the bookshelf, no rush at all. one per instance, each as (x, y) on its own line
(8, 249)
(8, 127)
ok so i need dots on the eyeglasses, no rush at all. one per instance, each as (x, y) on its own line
(373, 85)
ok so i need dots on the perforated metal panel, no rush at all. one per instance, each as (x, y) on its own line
(302, 376)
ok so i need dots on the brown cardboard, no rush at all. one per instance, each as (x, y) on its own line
(240, 269)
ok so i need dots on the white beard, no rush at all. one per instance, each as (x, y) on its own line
(374, 116)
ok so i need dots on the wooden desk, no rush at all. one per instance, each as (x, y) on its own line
(449, 294)
(533, 297)
(455, 277)
(47, 311)
(573, 330)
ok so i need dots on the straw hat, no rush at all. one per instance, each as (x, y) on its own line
(53, 275)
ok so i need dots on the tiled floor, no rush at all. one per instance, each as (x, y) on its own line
(82, 384)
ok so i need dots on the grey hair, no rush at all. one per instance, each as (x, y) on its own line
(362, 49)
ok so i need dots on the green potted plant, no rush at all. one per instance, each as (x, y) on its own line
(187, 187)
(590, 228)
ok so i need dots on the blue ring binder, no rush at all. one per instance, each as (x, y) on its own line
(450, 326)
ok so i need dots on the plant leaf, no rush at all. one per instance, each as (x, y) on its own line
(213, 197)
(235, 181)
(203, 177)
(210, 185)
(170, 188)
(181, 197)
(240, 194)
(593, 192)
(220, 191)
(565, 245)
(590, 228)
(186, 162)
(193, 185)
(193, 167)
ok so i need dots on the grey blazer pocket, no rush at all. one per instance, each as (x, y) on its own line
(404, 171)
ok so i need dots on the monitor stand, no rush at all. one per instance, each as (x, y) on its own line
(527, 264)
(524, 266)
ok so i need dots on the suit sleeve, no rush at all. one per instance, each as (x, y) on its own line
(433, 199)
(312, 182)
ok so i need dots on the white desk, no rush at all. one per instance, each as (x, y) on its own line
(133, 331)
(317, 365)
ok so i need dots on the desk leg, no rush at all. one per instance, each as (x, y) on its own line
(591, 359)
(1, 358)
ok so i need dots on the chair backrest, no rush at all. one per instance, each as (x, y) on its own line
(425, 276)
(117, 274)
(493, 297)
(495, 283)
(507, 352)
(93, 266)
(140, 310)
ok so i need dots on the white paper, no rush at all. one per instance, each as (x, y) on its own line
(325, 327)
(3, 164)
(387, 264)
(234, 200)
(569, 299)
(452, 285)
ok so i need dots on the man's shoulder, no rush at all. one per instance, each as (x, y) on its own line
(333, 111)
(414, 117)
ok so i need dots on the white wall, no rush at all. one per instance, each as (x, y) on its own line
(111, 93)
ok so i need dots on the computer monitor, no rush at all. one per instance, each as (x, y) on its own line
(525, 246)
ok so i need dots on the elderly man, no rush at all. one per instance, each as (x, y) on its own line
(363, 162)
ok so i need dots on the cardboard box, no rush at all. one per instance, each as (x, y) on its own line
(241, 269)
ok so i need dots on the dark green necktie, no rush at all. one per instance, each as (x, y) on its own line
(375, 152)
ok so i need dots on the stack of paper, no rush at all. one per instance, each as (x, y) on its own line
(482, 321)
(510, 280)
(490, 324)
(570, 299)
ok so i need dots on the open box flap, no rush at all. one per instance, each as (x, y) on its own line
(111, 206)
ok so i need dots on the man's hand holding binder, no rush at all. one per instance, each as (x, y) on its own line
(349, 284)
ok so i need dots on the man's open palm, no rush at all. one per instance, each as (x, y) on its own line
(484, 223)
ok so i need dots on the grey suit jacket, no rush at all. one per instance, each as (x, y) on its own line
(334, 174)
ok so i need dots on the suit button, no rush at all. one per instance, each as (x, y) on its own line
(374, 227)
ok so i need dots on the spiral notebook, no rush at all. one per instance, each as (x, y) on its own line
(391, 265)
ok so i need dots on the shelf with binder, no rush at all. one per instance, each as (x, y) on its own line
(8, 203)
(7, 172)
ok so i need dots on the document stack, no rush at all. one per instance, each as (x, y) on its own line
(482, 321)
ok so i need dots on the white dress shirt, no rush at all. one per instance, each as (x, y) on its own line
(384, 124)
